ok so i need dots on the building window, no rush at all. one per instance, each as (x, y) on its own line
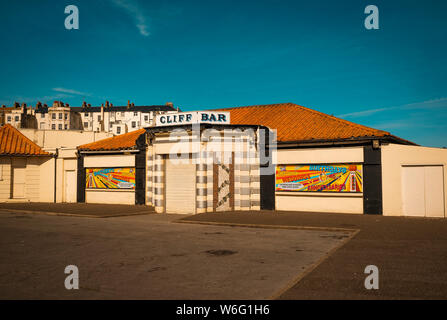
(53, 116)
(9, 119)
(135, 114)
(118, 130)
(86, 114)
(134, 124)
(16, 118)
(66, 116)
(53, 127)
(42, 125)
(42, 115)
(65, 126)
(60, 126)
(85, 124)
(99, 118)
(146, 118)
(60, 116)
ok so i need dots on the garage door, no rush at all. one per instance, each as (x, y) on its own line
(423, 191)
(180, 187)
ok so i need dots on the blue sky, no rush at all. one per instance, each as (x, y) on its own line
(209, 54)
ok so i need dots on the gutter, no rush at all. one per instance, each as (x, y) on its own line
(109, 151)
(338, 142)
(55, 174)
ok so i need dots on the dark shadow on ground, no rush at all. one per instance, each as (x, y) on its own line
(90, 209)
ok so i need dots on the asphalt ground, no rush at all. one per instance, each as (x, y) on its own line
(410, 253)
(77, 209)
(150, 257)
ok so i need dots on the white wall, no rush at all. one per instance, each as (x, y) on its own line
(110, 196)
(47, 181)
(317, 201)
(105, 161)
(393, 158)
(58, 139)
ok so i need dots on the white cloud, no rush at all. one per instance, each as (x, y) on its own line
(428, 104)
(134, 11)
(70, 91)
(362, 113)
(9, 101)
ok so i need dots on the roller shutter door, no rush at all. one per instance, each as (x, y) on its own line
(423, 191)
(180, 187)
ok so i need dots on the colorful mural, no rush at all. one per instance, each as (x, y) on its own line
(320, 178)
(110, 178)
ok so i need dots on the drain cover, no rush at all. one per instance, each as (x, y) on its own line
(221, 252)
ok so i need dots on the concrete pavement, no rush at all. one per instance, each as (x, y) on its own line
(149, 257)
(411, 254)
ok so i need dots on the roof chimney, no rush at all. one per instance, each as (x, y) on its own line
(16, 105)
(170, 104)
(128, 104)
(84, 104)
(107, 104)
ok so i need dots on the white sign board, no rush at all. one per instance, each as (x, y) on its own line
(180, 118)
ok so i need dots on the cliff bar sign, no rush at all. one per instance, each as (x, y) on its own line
(179, 118)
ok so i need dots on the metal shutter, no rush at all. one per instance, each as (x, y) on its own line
(180, 187)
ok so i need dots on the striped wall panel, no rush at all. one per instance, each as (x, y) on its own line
(149, 176)
(158, 184)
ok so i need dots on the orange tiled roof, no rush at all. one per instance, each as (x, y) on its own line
(14, 143)
(121, 142)
(297, 123)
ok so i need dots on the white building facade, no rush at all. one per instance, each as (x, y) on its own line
(106, 118)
